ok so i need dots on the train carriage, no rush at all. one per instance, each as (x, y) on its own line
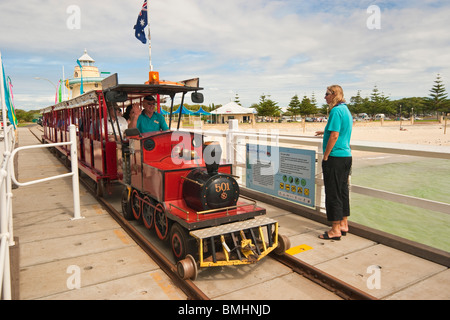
(174, 181)
(96, 153)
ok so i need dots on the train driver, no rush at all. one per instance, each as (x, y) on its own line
(148, 120)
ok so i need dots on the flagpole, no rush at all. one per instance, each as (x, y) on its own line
(64, 87)
(56, 94)
(149, 38)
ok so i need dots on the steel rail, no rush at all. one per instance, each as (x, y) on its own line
(187, 286)
(338, 287)
(333, 284)
(327, 281)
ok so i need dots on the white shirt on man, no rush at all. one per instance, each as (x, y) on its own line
(123, 125)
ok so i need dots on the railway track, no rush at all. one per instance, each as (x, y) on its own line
(192, 291)
(330, 283)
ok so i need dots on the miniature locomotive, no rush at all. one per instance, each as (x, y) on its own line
(174, 181)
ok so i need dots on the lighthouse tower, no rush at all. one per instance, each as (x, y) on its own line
(86, 76)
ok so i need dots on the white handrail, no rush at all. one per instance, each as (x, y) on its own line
(6, 238)
(74, 174)
(7, 175)
(234, 139)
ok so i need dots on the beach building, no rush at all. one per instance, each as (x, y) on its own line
(86, 77)
(234, 111)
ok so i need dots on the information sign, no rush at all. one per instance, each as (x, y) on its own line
(286, 173)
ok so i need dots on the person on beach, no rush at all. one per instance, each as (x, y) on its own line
(148, 120)
(337, 163)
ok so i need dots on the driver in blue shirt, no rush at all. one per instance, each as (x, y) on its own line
(148, 120)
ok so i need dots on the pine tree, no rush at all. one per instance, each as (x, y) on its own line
(306, 107)
(236, 99)
(438, 96)
(294, 105)
(314, 100)
(267, 107)
(358, 104)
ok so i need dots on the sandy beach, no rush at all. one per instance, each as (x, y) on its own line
(418, 133)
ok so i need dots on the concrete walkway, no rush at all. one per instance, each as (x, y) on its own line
(59, 255)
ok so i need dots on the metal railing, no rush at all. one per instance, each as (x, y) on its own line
(6, 239)
(7, 175)
(74, 168)
(235, 153)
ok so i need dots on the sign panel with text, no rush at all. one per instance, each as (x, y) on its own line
(285, 173)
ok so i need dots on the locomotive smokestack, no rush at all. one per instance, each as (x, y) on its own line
(212, 152)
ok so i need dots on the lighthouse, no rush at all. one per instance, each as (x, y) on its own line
(86, 76)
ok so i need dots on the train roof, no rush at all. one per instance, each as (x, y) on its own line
(133, 91)
(140, 90)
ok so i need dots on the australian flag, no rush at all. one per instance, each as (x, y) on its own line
(141, 23)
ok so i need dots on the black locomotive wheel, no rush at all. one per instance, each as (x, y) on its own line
(126, 205)
(182, 244)
(161, 222)
(148, 212)
(136, 204)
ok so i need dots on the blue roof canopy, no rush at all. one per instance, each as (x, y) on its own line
(201, 112)
(183, 110)
(164, 112)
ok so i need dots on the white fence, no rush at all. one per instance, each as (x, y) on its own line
(234, 143)
(235, 153)
(6, 176)
(7, 142)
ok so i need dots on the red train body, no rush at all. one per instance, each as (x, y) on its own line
(174, 180)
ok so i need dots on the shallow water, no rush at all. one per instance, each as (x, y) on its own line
(423, 178)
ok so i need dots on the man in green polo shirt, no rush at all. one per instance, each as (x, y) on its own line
(148, 120)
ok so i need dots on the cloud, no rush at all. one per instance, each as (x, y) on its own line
(276, 47)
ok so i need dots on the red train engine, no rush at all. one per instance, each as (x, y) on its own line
(177, 186)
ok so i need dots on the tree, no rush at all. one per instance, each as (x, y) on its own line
(267, 107)
(236, 99)
(438, 96)
(358, 104)
(314, 100)
(324, 109)
(211, 107)
(307, 107)
(379, 103)
(412, 105)
(294, 106)
(25, 116)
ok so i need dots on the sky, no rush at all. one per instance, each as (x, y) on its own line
(279, 48)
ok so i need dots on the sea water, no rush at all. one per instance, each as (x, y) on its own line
(422, 178)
